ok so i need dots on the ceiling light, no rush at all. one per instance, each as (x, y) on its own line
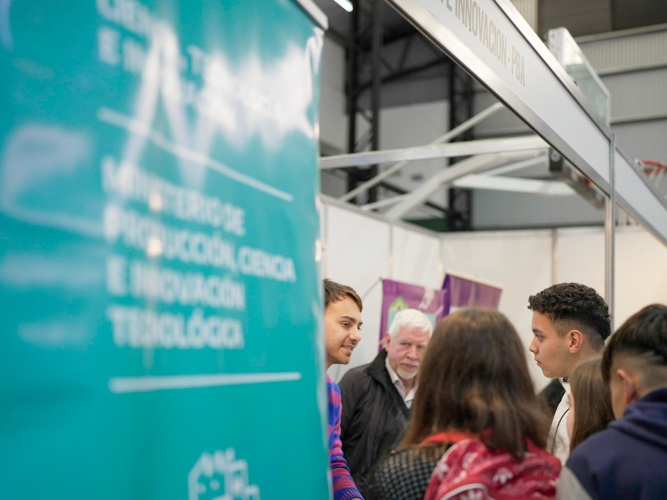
(346, 4)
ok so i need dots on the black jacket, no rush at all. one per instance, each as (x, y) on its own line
(374, 417)
(551, 396)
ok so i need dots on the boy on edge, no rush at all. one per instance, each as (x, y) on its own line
(342, 321)
(628, 459)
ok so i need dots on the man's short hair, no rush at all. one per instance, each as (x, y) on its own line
(333, 292)
(574, 306)
(643, 338)
(410, 318)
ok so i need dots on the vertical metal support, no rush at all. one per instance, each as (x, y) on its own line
(391, 251)
(453, 117)
(378, 11)
(441, 260)
(376, 86)
(325, 240)
(554, 256)
(610, 230)
(364, 50)
(353, 78)
(459, 214)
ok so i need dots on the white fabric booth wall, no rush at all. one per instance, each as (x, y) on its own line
(640, 267)
(519, 261)
(361, 248)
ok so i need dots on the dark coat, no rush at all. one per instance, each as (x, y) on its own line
(629, 458)
(552, 395)
(374, 417)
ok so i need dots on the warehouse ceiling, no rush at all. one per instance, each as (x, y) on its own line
(580, 17)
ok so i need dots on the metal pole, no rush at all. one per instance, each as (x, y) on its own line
(325, 240)
(430, 186)
(378, 8)
(554, 256)
(352, 79)
(511, 146)
(384, 202)
(610, 230)
(391, 250)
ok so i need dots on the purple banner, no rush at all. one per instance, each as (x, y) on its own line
(397, 296)
(465, 292)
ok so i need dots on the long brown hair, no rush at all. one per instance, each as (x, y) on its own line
(474, 378)
(592, 401)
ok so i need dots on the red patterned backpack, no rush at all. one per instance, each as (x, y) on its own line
(470, 471)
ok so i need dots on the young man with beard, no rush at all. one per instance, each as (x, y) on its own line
(342, 322)
(377, 397)
(570, 324)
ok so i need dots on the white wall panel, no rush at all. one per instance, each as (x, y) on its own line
(641, 266)
(416, 258)
(357, 254)
(580, 257)
(641, 272)
(519, 261)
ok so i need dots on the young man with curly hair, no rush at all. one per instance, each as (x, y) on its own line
(570, 324)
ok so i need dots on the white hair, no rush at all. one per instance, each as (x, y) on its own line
(410, 318)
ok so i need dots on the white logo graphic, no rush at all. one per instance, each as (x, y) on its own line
(502, 476)
(220, 476)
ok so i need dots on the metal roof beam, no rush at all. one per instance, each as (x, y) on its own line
(486, 146)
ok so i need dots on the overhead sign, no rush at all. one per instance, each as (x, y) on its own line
(161, 307)
(495, 44)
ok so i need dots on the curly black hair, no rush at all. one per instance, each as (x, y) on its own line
(568, 304)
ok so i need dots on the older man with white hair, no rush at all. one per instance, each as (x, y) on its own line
(377, 397)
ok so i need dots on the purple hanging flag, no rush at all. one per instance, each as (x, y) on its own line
(397, 296)
(467, 292)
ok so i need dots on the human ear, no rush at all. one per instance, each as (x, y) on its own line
(386, 340)
(575, 340)
(629, 385)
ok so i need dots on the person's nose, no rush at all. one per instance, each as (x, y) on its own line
(412, 353)
(355, 335)
(533, 346)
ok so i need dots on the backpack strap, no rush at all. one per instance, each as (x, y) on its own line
(450, 437)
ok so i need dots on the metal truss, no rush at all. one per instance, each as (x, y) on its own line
(376, 57)
(461, 95)
(447, 150)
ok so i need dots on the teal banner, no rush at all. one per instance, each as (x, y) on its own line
(160, 325)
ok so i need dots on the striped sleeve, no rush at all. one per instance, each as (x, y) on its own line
(343, 484)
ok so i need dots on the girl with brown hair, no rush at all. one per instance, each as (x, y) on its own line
(590, 402)
(476, 426)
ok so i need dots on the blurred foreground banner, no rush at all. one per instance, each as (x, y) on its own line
(397, 296)
(467, 292)
(161, 307)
